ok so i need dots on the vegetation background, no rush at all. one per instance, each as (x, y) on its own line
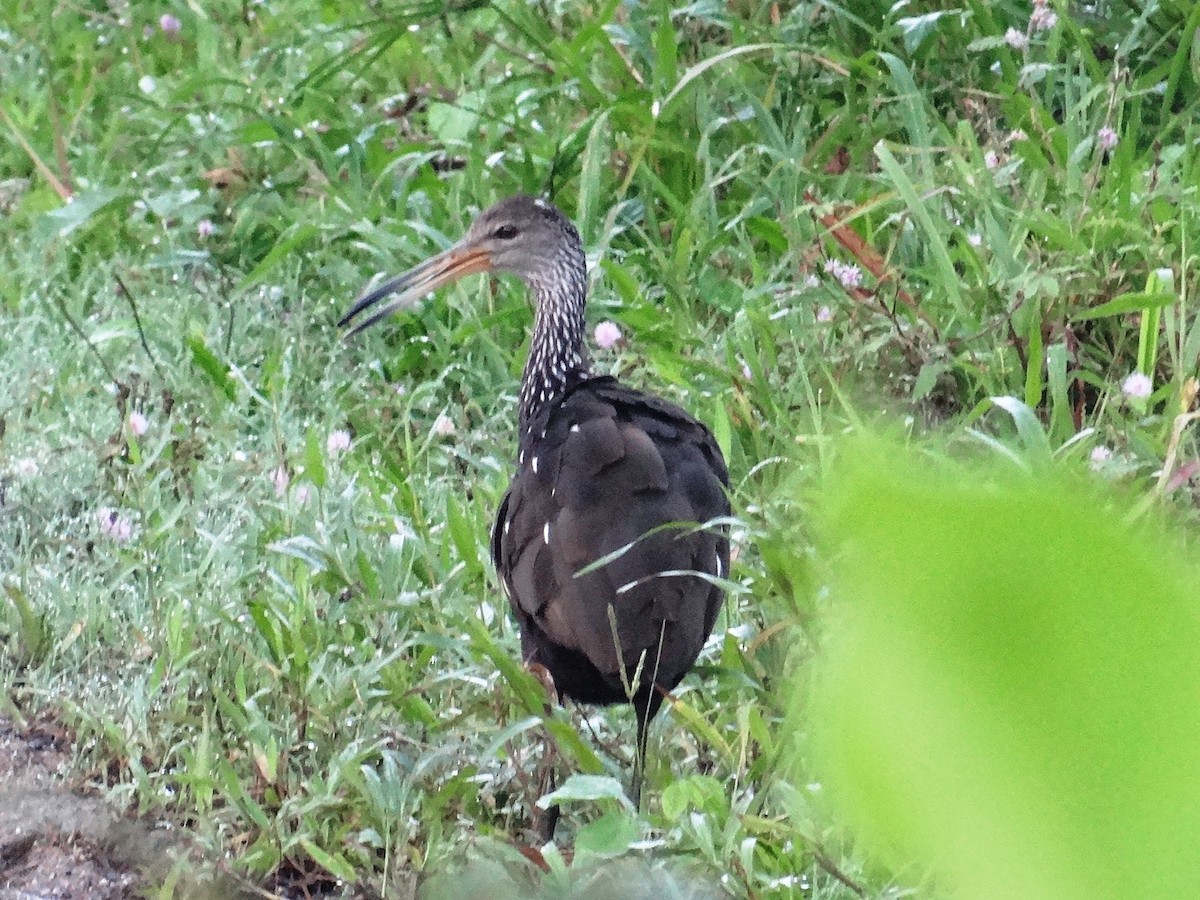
(244, 561)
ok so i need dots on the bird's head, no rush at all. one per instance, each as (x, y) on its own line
(523, 235)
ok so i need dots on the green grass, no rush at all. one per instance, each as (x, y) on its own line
(322, 678)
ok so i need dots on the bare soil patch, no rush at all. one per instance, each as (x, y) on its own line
(60, 841)
(54, 842)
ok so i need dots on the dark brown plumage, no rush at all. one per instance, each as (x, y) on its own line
(604, 473)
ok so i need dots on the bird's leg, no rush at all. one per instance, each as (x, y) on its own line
(645, 713)
(639, 759)
(645, 710)
(544, 821)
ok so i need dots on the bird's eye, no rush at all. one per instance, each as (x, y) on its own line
(505, 232)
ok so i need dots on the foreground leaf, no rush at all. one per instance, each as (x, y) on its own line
(1009, 692)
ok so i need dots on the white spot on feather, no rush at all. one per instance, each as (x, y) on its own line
(574, 429)
(546, 532)
(521, 458)
(720, 567)
(533, 462)
(508, 524)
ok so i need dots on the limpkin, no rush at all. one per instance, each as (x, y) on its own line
(605, 473)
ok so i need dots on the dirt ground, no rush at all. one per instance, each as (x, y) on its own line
(55, 842)
(59, 841)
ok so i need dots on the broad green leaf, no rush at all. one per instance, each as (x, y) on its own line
(609, 835)
(462, 533)
(1126, 303)
(288, 241)
(587, 788)
(1029, 427)
(32, 631)
(701, 793)
(314, 458)
(926, 379)
(1034, 353)
(335, 865)
(168, 203)
(1159, 281)
(210, 365)
(916, 29)
(454, 122)
(80, 209)
(303, 548)
(701, 67)
(918, 205)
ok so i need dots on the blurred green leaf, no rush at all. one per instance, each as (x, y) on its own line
(1009, 688)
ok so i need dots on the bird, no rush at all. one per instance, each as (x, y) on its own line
(611, 542)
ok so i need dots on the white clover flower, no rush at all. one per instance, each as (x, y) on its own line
(1016, 39)
(607, 334)
(1137, 386)
(338, 442)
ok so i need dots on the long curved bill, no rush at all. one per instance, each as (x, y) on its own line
(405, 290)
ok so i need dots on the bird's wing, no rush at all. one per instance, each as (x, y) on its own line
(599, 476)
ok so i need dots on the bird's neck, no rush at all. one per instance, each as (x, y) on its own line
(557, 357)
